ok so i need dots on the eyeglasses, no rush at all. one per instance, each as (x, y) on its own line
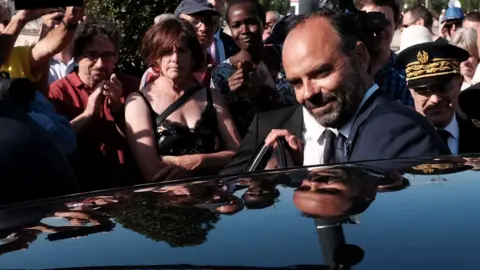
(212, 22)
(106, 56)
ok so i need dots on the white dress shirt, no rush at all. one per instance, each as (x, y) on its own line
(453, 140)
(476, 76)
(313, 133)
(58, 69)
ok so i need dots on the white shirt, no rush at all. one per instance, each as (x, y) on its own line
(453, 139)
(58, 69)
(313, 133)
(476, 76)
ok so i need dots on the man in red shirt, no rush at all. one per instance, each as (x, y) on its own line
(92, 98)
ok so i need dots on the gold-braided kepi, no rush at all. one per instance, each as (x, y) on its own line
(431, 63)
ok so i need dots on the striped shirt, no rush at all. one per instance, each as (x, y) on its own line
(392, 80)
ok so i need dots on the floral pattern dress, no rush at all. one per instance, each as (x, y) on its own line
(243, 110)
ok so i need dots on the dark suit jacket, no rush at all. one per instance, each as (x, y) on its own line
(469, 137)
(383, 129)
(229, 44)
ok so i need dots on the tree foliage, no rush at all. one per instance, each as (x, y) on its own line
(282, 6)
(133, 17)
(178, 226)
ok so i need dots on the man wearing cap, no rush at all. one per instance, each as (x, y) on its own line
(203, 17)
(434, 79)
(451, 22)
(223, 45)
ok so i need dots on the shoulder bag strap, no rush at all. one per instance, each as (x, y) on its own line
(177, 104)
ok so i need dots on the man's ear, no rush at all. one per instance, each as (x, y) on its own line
(420, 22)
(362, 57)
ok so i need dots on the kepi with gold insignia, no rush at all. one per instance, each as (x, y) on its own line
(431, 63)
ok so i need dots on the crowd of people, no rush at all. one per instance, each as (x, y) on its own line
(209, 100)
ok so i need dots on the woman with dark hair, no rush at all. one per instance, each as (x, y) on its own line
(252, 80)
(174, 121)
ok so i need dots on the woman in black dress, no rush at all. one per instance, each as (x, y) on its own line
(174, 122)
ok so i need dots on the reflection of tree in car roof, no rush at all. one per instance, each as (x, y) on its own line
(178, 226)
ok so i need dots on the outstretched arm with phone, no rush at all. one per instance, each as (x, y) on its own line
(9, 35)
(58, 39)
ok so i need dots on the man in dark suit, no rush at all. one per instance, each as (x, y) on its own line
(343, 116)
(434, 79)
(229, 46)
(223, 46)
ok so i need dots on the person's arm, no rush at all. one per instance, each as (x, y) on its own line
(79, 122)
(230, 137)
(140, 137)
(246, 150)
(10, 34)
(58, 126)
(8, 37)
(226, 125)
(57, 39)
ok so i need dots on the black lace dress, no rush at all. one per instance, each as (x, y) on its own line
(175, 139)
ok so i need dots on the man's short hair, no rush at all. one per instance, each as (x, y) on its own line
(393, 4)
(89, 31)
(344, 25)
(473, 16)
(421, 12)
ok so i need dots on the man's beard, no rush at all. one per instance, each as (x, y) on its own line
(347, 98)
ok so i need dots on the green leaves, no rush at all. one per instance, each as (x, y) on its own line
(133, 17)
(281, 6)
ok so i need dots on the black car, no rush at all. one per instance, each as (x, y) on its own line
(418, 214)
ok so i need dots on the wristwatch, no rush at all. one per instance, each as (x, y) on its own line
(70, 26)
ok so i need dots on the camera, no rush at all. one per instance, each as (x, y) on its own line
(370, 24)
(38, 4)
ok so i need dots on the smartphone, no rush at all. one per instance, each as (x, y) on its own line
(37, 4)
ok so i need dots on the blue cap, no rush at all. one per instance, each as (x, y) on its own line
(190, 7)
(453, 13)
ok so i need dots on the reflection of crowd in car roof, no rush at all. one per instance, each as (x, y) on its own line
(212, 103)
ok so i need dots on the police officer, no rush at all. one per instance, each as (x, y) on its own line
(434, 79)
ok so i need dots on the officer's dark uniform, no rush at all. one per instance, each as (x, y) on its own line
(436, 64)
